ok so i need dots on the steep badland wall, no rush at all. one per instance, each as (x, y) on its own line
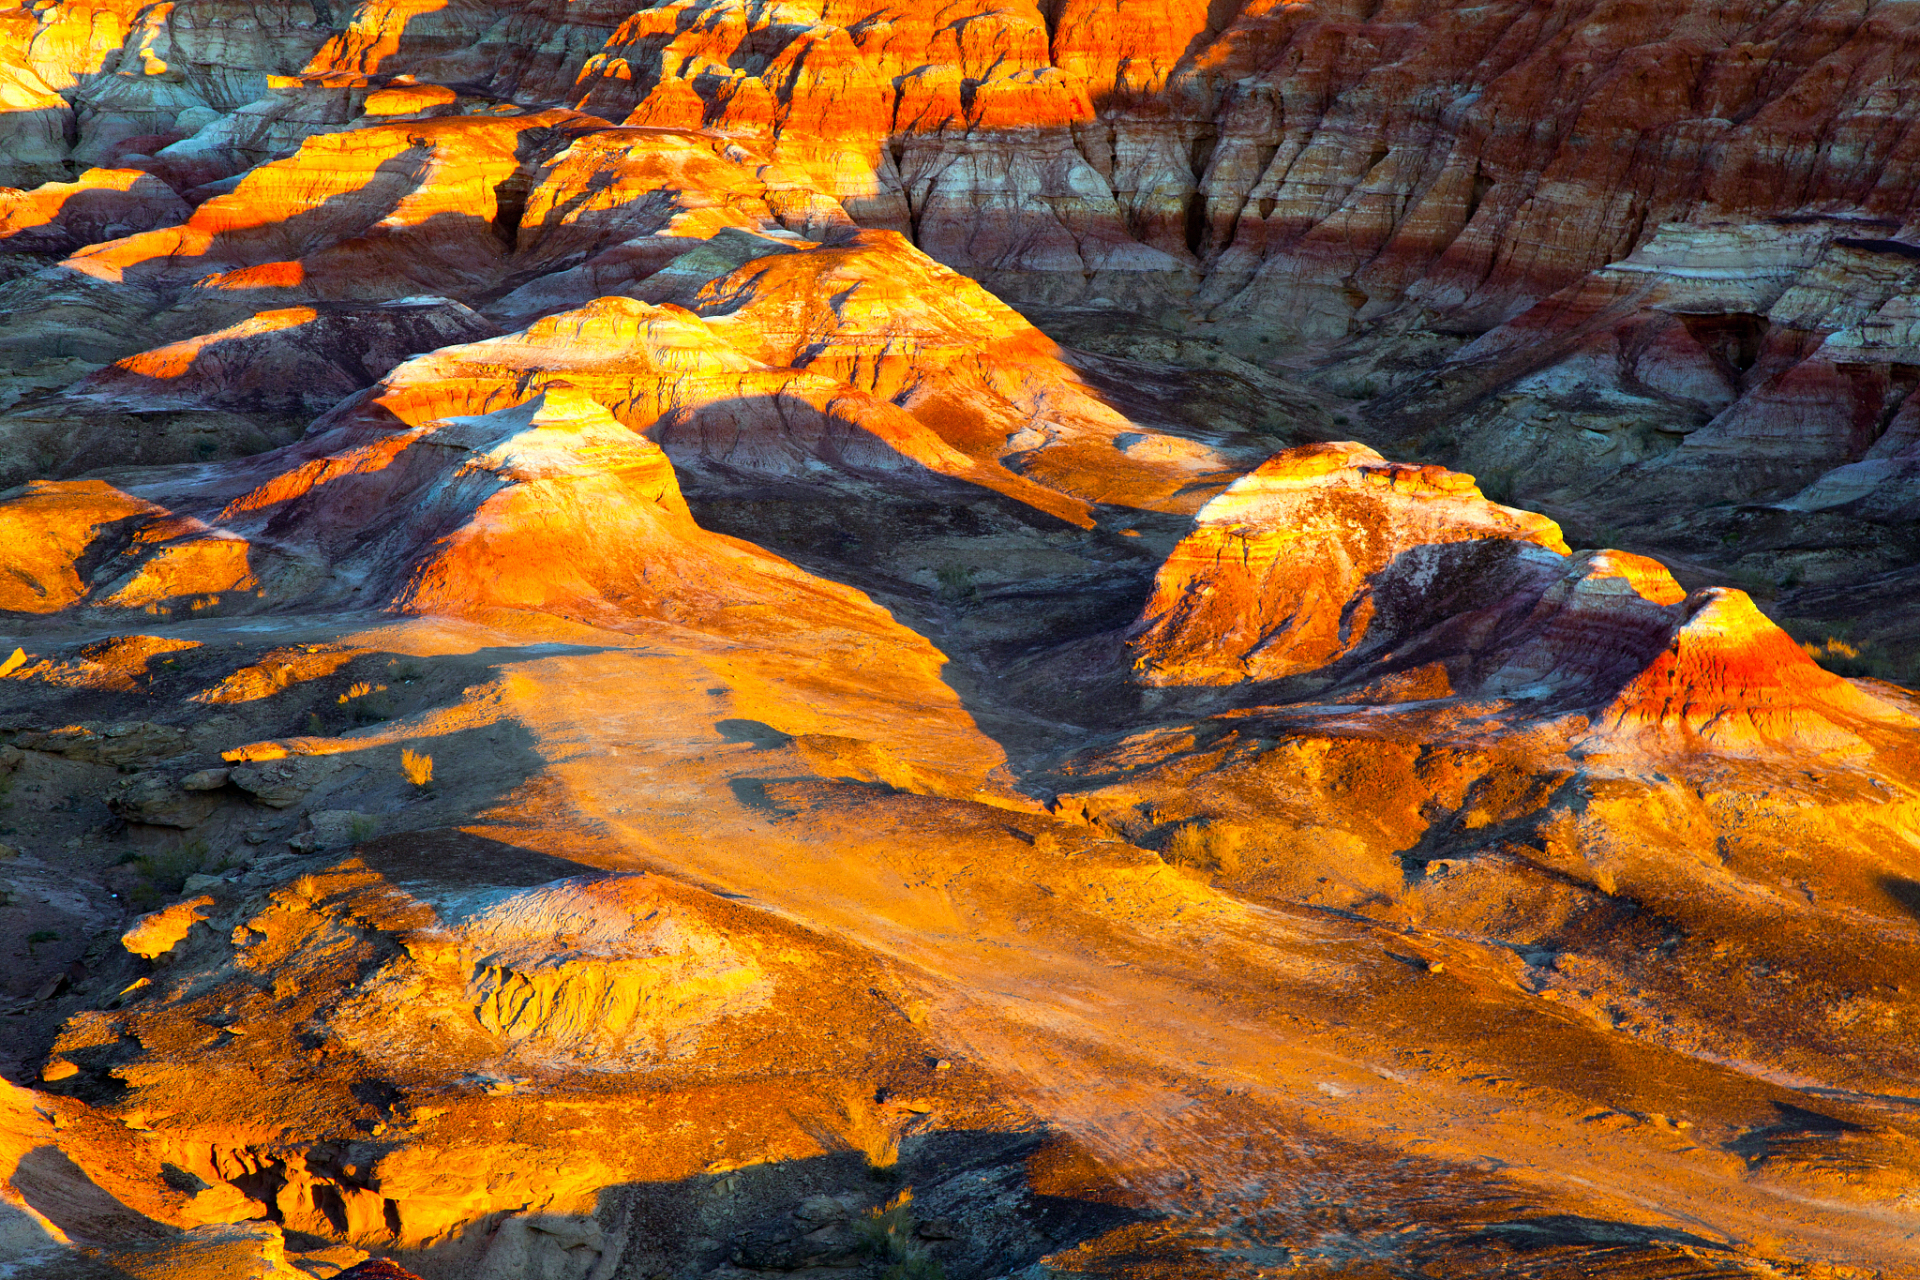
(1298, 168)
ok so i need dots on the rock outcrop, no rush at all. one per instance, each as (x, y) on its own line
(727, 639)
(102, 204)
(550, 505)
(35, 146)
(1405, 584)
(289, 361)
(1315, 555)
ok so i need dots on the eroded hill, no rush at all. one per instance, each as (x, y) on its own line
(726, 640)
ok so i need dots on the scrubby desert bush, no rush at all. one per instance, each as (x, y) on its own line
(164, 873)
(1211, 848)
(957, 586)
(417, 765)
(1833, 647)
(888, 1233)
(368, 703)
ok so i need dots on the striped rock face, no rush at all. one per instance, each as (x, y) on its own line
(1121, 638)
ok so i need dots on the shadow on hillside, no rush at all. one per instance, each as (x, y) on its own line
(963, 1203)
(1904, 892)
(958, 1204)
(972, 1210)
(460, 859)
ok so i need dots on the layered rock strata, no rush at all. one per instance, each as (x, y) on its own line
(1403, 583)
(685, 641)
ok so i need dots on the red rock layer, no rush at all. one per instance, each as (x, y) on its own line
(777, 355)
(1731, 681)
(1324, 164)
(556, 203)
(1733, 361)
(871, 311)
(663, 371)
(1281, 574)
(287, 361)
(617, 205)
(392, 209)
(102, 204)
(1395, 583)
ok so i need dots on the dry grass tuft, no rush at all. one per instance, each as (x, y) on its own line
(1834, 649)
(418, 766)
(888, 1233)
(1211, 848)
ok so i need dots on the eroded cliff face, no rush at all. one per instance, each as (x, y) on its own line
(737, 639)
(1495, 230)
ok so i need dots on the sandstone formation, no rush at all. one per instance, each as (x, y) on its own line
(103, 204)
(730, 640)
(284, 361)
(1405, 582)
(1314, 555)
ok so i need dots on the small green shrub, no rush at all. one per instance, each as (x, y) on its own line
(373, 708)
(1832, 646)
(166, 871)
(39, 936)
(957, 586)
(887, 1233)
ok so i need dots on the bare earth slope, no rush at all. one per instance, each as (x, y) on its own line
(732, 640)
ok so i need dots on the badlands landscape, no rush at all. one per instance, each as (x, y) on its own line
(1137, 639)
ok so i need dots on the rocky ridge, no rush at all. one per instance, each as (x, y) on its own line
(728, 640)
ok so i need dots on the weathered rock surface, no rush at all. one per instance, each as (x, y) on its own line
(35, 148)
(684, 641)
(1314, 554)
(102, 204)
(287, 361)
(1406, 583)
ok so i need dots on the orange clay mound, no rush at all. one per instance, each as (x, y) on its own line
(550, 506)
(53, 532)
(1328, 560)
(554, 507)
(1285, 571)
(1730, 680)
